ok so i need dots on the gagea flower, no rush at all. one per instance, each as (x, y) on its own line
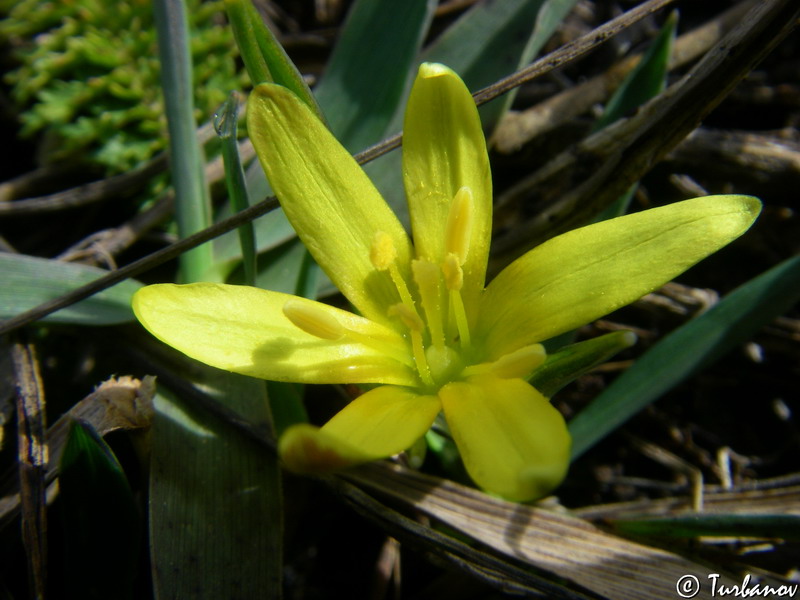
(427, 334)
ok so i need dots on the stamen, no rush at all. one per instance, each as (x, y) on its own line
(428, 278)
(453, 273)
(319, 323)
(514, 365)
(411, 319)
(382, 253)
(459, 224)
(313, 320)
(454, 280)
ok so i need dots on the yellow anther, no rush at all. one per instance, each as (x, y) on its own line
(429, 282)
(408, 316)
(313, 320)
(453, 273)
(517, 364)
(382, 253)
(459, 224)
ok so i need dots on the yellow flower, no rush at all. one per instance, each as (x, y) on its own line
(428, 332)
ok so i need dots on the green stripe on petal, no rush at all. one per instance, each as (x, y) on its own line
(378, 424)
(327, 197)
(244, 330)
(511, 439)
(443, 151)
(584, 274)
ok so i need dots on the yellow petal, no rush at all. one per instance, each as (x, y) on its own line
(327, 197)
(443, 151)
(244, 330)
(378, 424)
(582, 275)
(512, 441)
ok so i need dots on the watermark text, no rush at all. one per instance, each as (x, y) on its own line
(689, 586)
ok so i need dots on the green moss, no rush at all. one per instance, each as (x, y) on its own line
(88, 84)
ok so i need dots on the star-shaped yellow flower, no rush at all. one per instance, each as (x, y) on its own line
(428, 333)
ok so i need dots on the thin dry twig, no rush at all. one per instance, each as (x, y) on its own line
(95, 191)
(519, 127)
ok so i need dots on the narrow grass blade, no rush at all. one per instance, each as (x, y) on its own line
(263, 56)
(193, 209)
(687, 350)
(29, 281)
(785, 527)
(645, 81)
(225, 124)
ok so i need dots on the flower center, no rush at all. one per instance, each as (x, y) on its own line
(431, 311)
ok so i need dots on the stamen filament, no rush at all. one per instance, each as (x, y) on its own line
(411, 319)
(383, 256)
(401, 286)
(460, 315)
(454, 280)
(419, 357)
(428, 278)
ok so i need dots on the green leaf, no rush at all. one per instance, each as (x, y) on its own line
(102, 528)
(687, 350)
(225, 124)
(646, 80)
(265, 59)
(29, 281)
(494, 39)
(786, 527)
(370, 67)
(215, 497)
(570, 362)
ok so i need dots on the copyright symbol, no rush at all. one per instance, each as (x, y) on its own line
(687, 586)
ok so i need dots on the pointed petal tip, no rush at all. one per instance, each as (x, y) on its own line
(429, 70)
(304, 449)
(750, 206)
(753, 205)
